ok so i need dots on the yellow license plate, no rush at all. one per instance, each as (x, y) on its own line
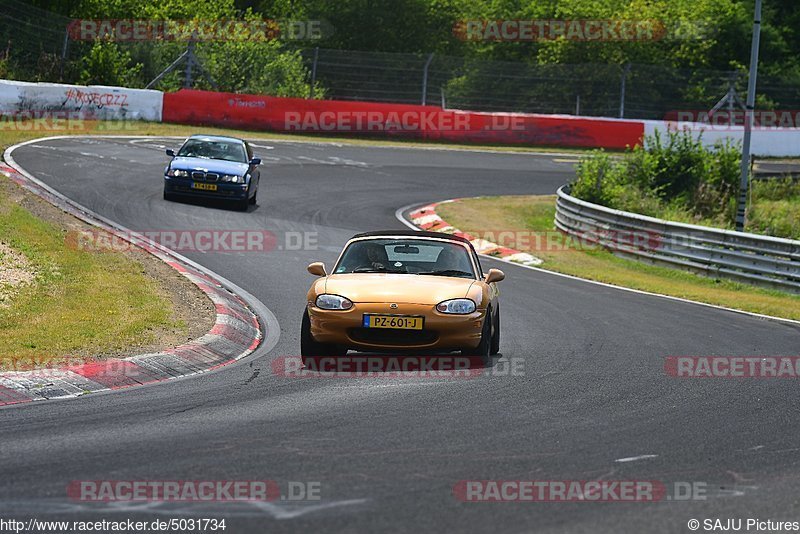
(402, 322)
(204, 187)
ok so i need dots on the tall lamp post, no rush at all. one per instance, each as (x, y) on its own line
(748, 120)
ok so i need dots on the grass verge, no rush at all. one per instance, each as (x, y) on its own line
(522, 215)
(84, 304)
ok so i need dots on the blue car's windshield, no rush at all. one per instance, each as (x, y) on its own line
(213, 149)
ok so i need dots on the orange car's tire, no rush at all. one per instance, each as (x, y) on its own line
(309, 348)
(484, 348)
(495, 348)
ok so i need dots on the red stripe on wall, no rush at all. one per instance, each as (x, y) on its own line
(255, 112)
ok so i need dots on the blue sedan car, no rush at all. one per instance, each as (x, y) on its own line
(209, 166)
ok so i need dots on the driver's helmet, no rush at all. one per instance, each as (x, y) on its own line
(449, 259)
(376, 253)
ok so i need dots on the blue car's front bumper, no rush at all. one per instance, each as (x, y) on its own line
(224, 190)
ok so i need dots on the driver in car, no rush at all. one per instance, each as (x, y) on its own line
(449, 260)
(376, 257)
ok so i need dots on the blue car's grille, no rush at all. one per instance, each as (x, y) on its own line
(205, 176)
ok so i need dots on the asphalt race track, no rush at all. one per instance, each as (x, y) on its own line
(387, 452)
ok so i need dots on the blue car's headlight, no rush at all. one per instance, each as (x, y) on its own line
(178, 173)
(233, 178)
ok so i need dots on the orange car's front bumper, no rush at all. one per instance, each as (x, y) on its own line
(440, 331)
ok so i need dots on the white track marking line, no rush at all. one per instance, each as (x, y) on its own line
(635, 458)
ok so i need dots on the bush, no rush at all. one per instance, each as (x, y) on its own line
(775, 209)
(5, 69)
(595, 175)
(675, 174)
(106, 64)
(257, 68)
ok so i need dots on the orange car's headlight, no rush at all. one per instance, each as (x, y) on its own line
(456, 306)
(333, 302)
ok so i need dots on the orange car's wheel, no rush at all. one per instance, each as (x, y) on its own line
(496, 334)
(484, 348)
(309, 348)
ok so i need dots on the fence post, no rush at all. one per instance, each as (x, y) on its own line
(64, 54)
(598, 184)
(425, 79)
(744, 183)
(313, 73)
(625, 70)
(577, 104)
(187, 82)
(444, 103)
(191, 61)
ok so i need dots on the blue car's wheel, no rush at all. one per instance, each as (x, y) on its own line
(242, 205)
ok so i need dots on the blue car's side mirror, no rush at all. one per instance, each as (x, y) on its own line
(255, 161)
(170, 152)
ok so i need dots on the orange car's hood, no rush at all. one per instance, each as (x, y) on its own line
(400, 288)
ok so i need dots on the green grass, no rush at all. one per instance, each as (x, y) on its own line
(525, 214)
(81, 304)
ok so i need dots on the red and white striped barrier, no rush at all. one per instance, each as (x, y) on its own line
(426, 218)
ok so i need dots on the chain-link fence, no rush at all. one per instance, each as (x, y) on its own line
(35, 39)
(35, 46)
(628, 90)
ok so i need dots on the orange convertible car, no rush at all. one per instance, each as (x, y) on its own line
(403, 290)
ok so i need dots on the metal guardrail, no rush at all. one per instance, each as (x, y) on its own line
(755, 259)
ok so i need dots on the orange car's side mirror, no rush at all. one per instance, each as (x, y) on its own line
(317, 269)
(494, 275)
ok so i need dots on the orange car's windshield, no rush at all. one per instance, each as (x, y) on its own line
(406, 256)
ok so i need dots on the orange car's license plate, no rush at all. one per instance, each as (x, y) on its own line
(204, 187)
(403, 322)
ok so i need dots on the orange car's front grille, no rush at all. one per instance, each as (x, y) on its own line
(388, 336)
